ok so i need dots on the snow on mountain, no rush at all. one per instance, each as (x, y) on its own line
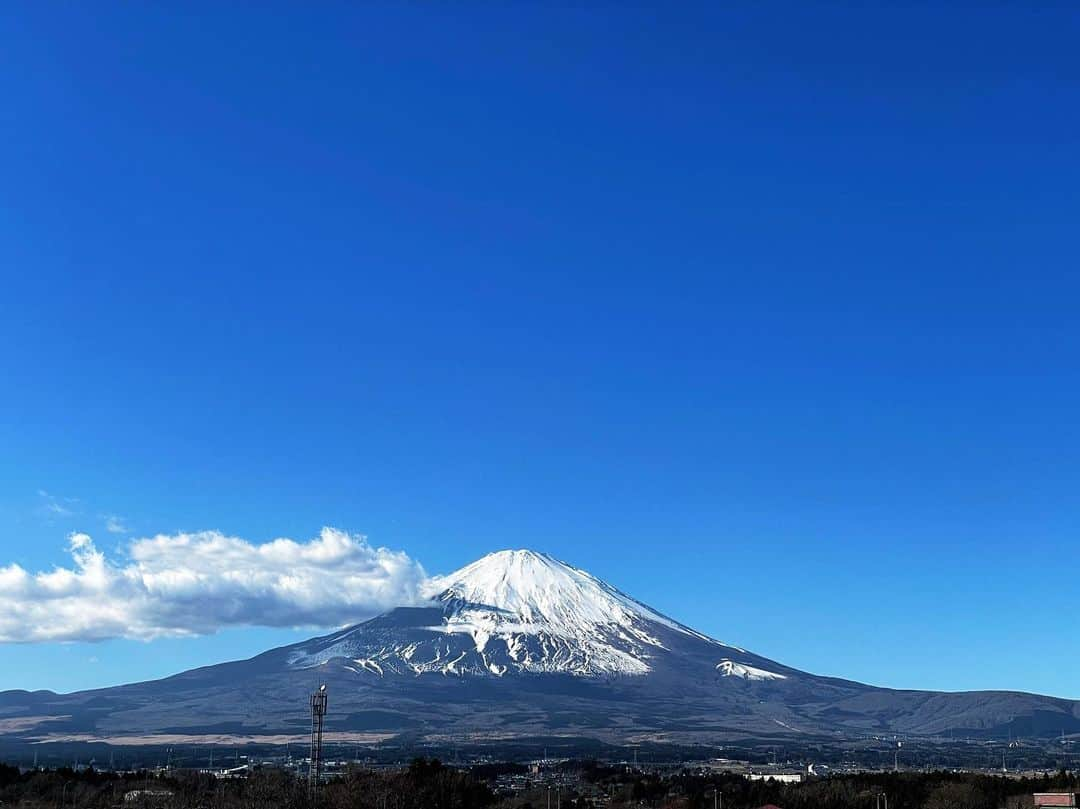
(729, 668)
(528, 591)
(516, 610)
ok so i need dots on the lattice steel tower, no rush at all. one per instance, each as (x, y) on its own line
(318, 714)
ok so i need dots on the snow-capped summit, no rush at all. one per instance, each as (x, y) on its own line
(520, 598)
(536, 590)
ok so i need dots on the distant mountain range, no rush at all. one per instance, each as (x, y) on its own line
(521, 645)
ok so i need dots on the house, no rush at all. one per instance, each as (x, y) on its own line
(1056, 799)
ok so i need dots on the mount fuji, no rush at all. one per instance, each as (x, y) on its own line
(512, 612)
(520, 645)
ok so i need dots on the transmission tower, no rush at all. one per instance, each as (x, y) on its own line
(318, 714)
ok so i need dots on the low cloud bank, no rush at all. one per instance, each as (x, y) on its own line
(198, 583)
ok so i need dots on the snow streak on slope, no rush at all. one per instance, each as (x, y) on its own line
(729, 668)
(518, 611)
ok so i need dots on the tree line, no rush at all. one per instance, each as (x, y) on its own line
(428, 784)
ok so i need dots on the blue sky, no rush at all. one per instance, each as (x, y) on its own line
(766, 315)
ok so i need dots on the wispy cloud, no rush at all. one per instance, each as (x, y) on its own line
(114, 524)
(59, 506)
(197, 583)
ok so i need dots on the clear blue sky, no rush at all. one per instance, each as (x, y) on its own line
(768, 315)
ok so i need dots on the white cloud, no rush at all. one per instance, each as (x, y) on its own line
(197, 583)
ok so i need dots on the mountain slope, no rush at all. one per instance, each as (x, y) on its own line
(520, 644)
